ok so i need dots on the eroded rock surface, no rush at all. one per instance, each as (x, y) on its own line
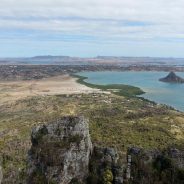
(156, 166)
(60, 152)
(105, 167)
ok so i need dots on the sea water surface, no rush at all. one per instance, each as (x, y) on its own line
(160, 92)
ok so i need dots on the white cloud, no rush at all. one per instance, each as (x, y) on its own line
(104, 18)
(157, 10)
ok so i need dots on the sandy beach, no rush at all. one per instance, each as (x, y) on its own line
(64, 84)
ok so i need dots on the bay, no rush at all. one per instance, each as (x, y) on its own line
(160, 92)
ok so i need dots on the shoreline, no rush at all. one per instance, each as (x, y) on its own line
(31, 72)
(118, 89)
(121, 87)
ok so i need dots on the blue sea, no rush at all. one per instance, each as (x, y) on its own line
(160, 92)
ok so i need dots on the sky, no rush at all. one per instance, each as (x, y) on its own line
(88, 28)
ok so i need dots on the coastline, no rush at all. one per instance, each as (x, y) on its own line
(118, 89)
(124, 90)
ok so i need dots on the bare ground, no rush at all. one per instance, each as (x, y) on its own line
(63, 84)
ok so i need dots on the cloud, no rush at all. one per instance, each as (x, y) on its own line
(103, 21)
(157, 10)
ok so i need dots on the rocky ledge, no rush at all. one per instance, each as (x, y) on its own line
(61, 153)
(172, 78)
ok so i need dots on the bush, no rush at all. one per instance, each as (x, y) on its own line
(107, 177)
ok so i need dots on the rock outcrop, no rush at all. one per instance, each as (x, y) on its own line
(156, 166)
(60, 152)
(172, 78)
(105, 167)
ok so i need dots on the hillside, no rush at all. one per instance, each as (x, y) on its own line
(113, 122)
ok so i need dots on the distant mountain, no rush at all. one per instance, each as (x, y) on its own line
(109, 60)
(172, 78)
(49, 57)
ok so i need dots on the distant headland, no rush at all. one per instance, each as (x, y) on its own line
(172, 78)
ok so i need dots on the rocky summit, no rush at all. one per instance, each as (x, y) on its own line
(105, 167)
(172, 78)
(60, 152)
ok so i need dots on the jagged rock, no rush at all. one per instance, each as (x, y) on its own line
(148, 166)
(60, 152)
(172, 78)
(103, 161)
(177, 156)
(134, 150)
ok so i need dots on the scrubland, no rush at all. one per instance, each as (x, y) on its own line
(115, 121)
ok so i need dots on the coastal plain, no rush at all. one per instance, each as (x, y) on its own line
(116, 120)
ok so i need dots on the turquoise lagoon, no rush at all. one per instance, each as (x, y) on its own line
(164, 93)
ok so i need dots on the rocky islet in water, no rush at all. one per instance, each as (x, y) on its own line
(159, 92)
(172, 78)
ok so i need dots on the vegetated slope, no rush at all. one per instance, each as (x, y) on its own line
(114, 122)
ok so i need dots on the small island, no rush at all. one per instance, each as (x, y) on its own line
(172, 78)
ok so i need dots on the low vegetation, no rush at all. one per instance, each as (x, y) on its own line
(115, 121)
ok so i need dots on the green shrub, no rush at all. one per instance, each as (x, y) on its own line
(107, 177)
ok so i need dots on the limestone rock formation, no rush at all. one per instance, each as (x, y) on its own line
(60, 152)
(104, 167)
(172, 78)
(162, 166)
